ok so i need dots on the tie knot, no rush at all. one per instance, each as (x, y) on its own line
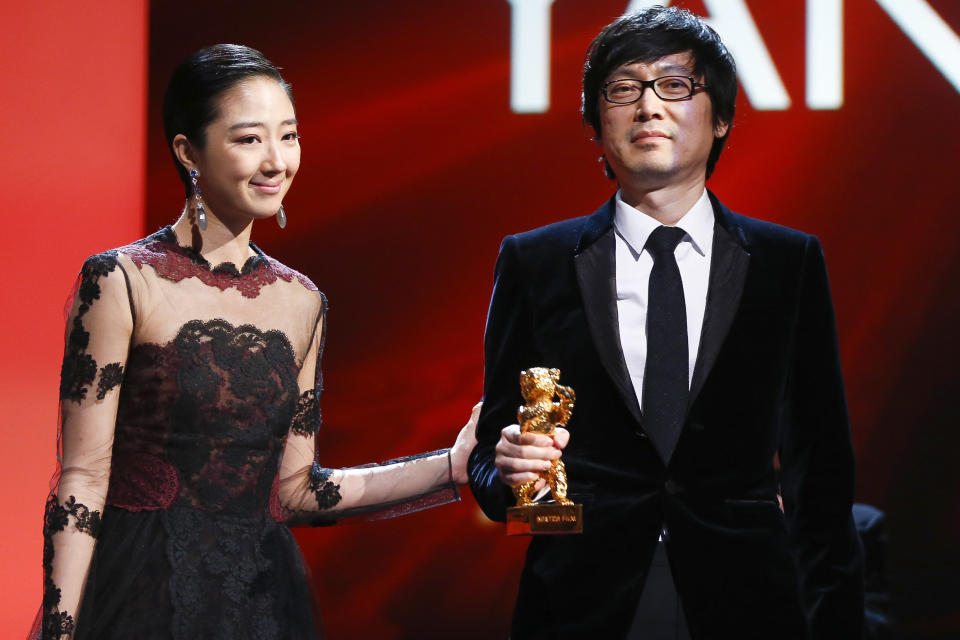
(663, 241)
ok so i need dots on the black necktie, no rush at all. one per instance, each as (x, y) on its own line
(665, 377)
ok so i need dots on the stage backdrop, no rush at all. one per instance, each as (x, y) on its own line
(432, 129)
(73, 90)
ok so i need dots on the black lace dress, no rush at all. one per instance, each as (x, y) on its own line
(190, 407)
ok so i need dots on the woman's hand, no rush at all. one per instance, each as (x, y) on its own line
(466, 441)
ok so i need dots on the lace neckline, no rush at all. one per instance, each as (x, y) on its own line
(171, 261)
(252, 263)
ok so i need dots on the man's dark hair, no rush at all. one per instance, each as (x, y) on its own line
(190, 102)
(650, 34)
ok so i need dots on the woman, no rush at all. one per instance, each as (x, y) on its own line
(189, 397)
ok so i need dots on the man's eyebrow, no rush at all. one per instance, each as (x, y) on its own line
(667, 69)
(679, 69)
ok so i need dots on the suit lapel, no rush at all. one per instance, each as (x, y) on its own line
(728, 273)
(595, 264)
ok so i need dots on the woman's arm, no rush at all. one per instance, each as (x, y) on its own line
(310, 492)
(98, 337)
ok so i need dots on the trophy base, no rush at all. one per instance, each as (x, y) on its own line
(545, 519)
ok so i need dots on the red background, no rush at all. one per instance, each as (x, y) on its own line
(397, 214)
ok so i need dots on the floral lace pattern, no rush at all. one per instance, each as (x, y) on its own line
(174, 262)
(58, 624)
(228, 395)
(58, 516)
(142, 481)
(195, 449)
(223, 556)
(326, 492)
(79, 368)
(209, 389)
(110, 376)
(306, 418)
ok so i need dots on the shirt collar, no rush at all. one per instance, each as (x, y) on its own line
(634, 226)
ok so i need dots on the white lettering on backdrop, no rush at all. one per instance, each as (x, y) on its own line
(530, 49)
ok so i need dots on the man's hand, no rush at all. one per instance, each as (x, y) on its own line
(522, 457)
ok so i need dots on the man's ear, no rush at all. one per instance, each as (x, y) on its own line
(720, 129)
(597, 139)
(184, 152)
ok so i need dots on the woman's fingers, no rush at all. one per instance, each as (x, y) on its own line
(466, 441)
(475, 414)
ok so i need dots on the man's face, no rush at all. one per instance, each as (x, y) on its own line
(653, 142)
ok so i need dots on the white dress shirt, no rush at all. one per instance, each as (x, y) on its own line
(634, 264)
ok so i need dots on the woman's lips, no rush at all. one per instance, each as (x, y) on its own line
(266, 188)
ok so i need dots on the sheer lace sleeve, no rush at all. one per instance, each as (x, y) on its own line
(311, 493)
(98, 333)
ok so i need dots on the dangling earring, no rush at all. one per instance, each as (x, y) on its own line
(282, 217)
(201, 213)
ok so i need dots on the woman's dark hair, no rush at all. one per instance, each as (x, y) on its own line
(650, 34)
(190, 102)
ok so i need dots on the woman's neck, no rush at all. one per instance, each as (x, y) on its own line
(222, 241)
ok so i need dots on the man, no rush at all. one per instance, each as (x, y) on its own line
(701, 344)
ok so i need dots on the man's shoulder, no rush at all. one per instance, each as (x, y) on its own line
(756, 232)
(562, 233)
(565, 235)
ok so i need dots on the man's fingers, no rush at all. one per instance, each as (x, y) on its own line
(529, 452)
(511, 434)
(522, 457)
(536, 440)
(521, 465)
(514, 479)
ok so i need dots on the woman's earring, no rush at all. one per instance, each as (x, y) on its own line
(282, 217)
(201, 213)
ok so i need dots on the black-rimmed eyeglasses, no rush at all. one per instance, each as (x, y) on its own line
(670, 88)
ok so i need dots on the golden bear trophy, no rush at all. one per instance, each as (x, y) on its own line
(548, 405)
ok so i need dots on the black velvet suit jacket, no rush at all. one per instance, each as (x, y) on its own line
(767, 380)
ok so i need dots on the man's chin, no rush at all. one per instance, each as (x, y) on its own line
(653, 173)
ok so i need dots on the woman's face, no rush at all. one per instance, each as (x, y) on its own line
(252, 151)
